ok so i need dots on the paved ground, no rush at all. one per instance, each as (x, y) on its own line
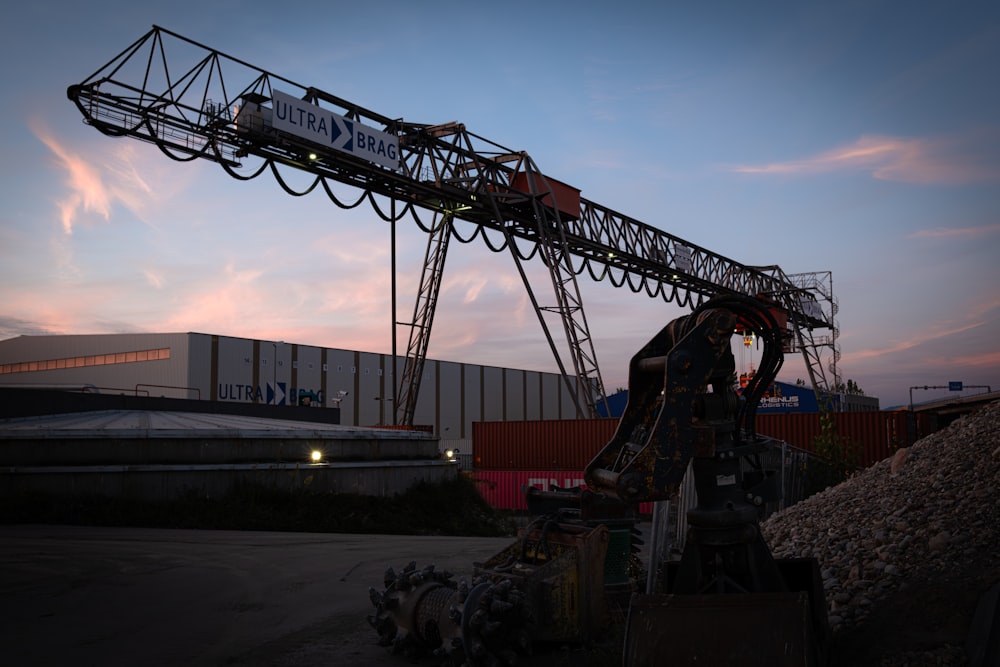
(122, 596)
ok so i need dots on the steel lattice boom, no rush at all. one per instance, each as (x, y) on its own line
(195, 102)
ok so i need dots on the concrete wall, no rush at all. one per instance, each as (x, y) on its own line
(156, 450)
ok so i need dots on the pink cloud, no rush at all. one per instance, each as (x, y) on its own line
(982, 306)
(155, 278)
(67, 311)
(88, 191)
(959, 233)
(104, 177)
(894, 347)
(954, 159)
(965, 361)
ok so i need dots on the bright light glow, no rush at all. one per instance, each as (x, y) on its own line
(316, 456)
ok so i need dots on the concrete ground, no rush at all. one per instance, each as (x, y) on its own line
(136, 596)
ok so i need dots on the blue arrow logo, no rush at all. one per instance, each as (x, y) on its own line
(276, 394)
(342, 133)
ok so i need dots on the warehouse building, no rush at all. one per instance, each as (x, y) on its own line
(228, 369)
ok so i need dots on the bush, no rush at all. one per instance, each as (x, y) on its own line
(446, 508)
(834, 457)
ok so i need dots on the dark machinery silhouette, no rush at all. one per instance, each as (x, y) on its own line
(727, 601)
(194, 102)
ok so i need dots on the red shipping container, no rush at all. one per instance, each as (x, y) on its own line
(504, 489)
(570, 444)
(874, 435)
(555, 444)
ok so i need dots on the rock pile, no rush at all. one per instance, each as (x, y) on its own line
(930, 511)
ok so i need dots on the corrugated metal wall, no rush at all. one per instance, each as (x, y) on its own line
(453, 396)
(554, 444)
(162, 377)
(571, 444)
(875, 434)
(510, 456)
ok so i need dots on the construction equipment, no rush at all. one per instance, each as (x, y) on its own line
(545, 587)
(727, 601)
(193, 102)
(682, 407)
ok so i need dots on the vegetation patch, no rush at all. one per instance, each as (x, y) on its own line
(451, 507)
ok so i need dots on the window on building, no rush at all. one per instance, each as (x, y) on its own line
(81, 362)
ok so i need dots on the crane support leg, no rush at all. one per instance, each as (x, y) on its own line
(423, 318)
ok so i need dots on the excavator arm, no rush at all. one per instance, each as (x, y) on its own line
(683, 402)
(727, 593)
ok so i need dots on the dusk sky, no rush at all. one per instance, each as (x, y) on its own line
(860, 138)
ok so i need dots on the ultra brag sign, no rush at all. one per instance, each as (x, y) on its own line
(322, 126)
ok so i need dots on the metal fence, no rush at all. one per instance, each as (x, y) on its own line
(795, 473)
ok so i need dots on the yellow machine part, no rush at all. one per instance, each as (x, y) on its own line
(560, 569)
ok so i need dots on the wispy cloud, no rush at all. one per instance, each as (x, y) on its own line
(224, 300)
(15, 326)
(87, 190)
(106, 177)
(76, 310)
(961, 233)
(919, 338)
(963, 361)
(983, 306)
(155, 278)
(947, 160)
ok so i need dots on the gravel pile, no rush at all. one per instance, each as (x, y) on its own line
(927, 513)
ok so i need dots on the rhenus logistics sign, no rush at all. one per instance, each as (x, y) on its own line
(323, 127)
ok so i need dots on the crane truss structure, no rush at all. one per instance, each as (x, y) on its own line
(194, 102)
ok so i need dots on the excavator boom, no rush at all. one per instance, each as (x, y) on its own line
(727, 593)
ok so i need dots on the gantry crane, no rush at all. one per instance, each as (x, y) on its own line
(195, 102)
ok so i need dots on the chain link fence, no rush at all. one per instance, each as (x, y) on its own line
(795, 473)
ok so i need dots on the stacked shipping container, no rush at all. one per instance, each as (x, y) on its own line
(508, 456)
